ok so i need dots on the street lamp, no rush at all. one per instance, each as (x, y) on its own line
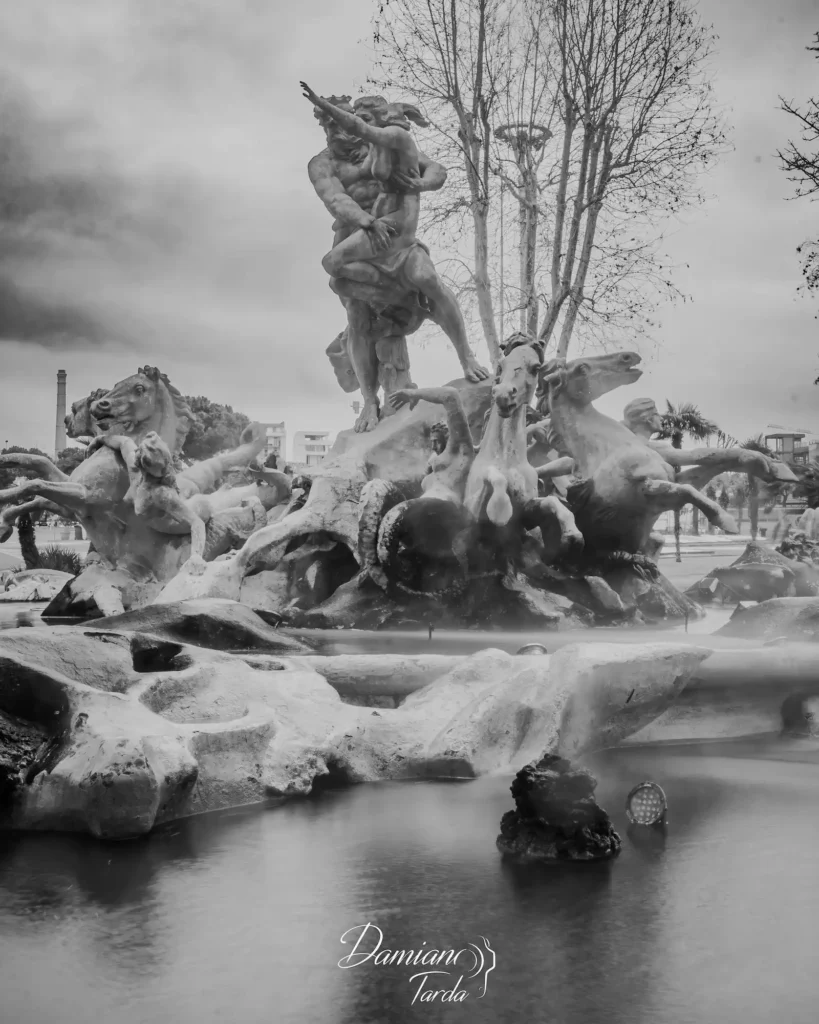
(527, 141)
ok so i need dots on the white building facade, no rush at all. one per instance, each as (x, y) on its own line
(310, 447)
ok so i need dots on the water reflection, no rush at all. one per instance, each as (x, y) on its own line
(240, 917)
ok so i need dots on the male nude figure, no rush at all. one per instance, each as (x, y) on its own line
(343, 179)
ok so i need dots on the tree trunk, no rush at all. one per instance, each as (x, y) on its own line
(528, 253)
(483, 290)
(28, 543)
(676, 442)
(753, 505)
(695, 522)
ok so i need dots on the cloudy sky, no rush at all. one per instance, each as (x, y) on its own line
(156, 209)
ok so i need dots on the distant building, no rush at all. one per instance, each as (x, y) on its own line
(788, 446)
(275, 441)
(311, 446)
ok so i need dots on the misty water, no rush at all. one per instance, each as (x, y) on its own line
(239, 916)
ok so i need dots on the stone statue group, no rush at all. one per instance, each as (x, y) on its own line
(525, 501)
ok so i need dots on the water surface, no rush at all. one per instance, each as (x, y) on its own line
(238, 917)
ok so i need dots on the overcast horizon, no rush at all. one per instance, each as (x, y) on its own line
(187, 144)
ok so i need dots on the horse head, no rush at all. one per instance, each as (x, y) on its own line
(79, 422)
(582, 381)
(517, 374)
(144, 402)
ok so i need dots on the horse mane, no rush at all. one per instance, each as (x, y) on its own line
(522, 338)
(182, 411)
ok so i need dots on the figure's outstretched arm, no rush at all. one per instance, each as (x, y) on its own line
(460, 435)
(352, 123)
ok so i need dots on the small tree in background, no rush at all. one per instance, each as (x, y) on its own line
(69, 458)
(215, 428)
(754, 488)
(679, 421)
(740, 501)
(800, 161)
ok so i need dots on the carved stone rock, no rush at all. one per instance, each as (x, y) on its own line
(556, 817)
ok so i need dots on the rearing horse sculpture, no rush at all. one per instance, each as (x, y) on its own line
(502, 487)
(490, 492)
(95, 490)
(625, 484)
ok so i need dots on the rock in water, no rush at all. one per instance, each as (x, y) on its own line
(556, 816)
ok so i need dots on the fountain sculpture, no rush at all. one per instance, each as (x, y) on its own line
(509, 501)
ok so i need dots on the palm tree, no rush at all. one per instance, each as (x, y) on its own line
(28, 541)
(677, 422)
(808, 486)
(755, 444)
(740, 500)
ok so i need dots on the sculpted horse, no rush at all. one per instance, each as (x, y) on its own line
(95, 490)
(502, 486)
(625, 484)
(696, 466)
(431, 544)
(214, 526)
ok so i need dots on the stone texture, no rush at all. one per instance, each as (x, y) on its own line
(556, 817)
(141, 730)
(795, 618)
(33, 585)
(758, 575)
(209, 622)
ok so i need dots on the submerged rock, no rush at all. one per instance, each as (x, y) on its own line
(556, 816)
(759, 574)
(793, 618)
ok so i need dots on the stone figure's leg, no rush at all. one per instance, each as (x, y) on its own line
(557, 526)
(72, 496)
(344, 259)
(706, 463)
(670, 496)
(557, 467)
(41, 464)
(8, 516)
(420, 271)
(361, 349)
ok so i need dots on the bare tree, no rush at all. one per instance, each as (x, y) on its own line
(446, 53)
(638, 125)
(801, 163)
(595, 115)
